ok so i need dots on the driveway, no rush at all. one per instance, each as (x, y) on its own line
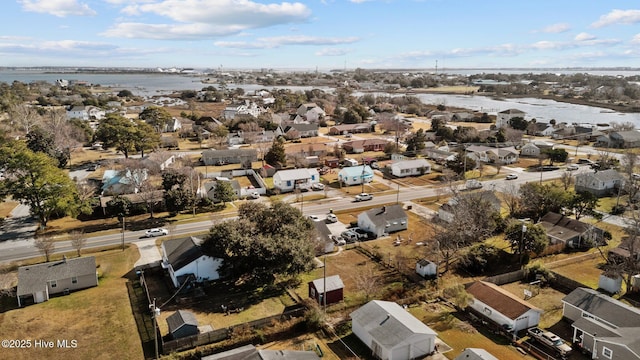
(19, 225)
(149, 253)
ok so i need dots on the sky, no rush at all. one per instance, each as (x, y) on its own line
(324, 34)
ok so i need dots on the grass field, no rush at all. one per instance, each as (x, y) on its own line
(98, 318)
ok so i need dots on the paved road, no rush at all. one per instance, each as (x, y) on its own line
(23, 249)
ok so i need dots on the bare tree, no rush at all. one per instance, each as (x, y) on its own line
(626, 266)
(150, 195)
(24, 116)
(367, 281)
(625, 126)
(566, 179)
(78, 241)
(513, 136)
(46, 246)
(511, 197)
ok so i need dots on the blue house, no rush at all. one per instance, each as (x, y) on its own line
(356, 175)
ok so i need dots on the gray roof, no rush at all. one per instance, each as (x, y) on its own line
(631, 135)
(181, 252)
(302, 127)
(380, 216)
(475, 354)
(249, 352)
(604, 307)
(388, 323)
(604, 175)
(412, 164)
(229, 152)
(180, 318)
(333, 283)
(425, 262)
(34, 278)
(512, 111)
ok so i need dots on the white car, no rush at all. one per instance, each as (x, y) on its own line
(156, 232)
(332, 218)
(317, 186)
(511, 177)
(314, 217)
(255, 195)
(572, 167)
(364, 197)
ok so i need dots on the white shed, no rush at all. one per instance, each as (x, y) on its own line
(426, 268)
(391, 332)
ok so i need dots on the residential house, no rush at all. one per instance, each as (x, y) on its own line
(360, 146)
(297, 131)
(535, 148)
(542, 129)
(304, 150)
(249, 352)
(508, 155)
(503, 309)
(184, 260)
(599, 183)
(355, 175)
(311, 112)
(570, 232)
(414, 167)
(323, 238)
(120, 182)
(182, 323)
(230, 156)
(475, 354)
(426, 268)
(36, 283)
(349, 128)
(438, 155)
(602, 326)
(289, 180)
(78, 112)
(625, 139)
(478, 152)
(447, 211)
(391, 332)
(504, 117)
(329, 289)
(462, 116)
(383, 220)
(210, 187)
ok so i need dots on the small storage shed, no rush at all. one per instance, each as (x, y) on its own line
(182, 323)
(426, 268)
(334, 289)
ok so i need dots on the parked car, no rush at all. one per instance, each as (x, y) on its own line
(473, 184)
(317, 186)
(338, 241)
(314, 217)
(364, 197)
(363, 234)
(156, 232)
(349, 236)
(511, 177)
(332, 218)
(572, 167)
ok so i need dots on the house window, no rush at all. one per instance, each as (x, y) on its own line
(74, 280)
(606, 352)
(53, 283)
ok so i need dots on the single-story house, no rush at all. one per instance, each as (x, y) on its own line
(507, 155)
(599, 183)
(475, 354)
(530, 150)
(303, 150)
(603, 326)
(229, 156)
(349, 128)
(360, 146)
(182, 323)
(571, 232)
(37, 282)
(383, 220)
(184, 259)
(297, 131)
(323, 238)
(289, 180)
(355, 175)
(447, 211)
(120, 182)
(624, 139)
(410, 167)
(426, 268)
(249, 352)
(542, 129)
(438, 155)
(334, 292)
(502, 308)
(391, 332)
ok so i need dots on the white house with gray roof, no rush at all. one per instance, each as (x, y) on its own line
(37, 282)
(599, 183)
(183, 259)
(504, 117)
(288, 180)
(413, 167)
(391, 332)
(603, 326)
(383, 220)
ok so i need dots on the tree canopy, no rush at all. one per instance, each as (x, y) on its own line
(126, 135)
(276, 156)
(263, 242)
(526, 238)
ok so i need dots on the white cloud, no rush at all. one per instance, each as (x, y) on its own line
(191, 19)
(555, 28)
(60, 8)
(636, 39)
(278, 41)
(618, 17)
(583, 36)
(332, 52)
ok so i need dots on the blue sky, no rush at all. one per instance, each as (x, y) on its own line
(327, 34)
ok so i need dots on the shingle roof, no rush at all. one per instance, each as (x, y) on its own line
(501, 300)
(180, 318)
(249, 352)
(564, 228)
(295, 174)
(512, 111)
(333, 283)
(380, 216)
(411, 164)
(388, 323)
(181, 252)
(33, 278)
(604, 307)
(604, 175)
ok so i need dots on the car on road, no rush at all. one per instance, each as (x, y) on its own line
(364, 197)
(314, 217)
(254, 195)
(548, 168)
(511, 177)
(332, 218)
(156, 232)
(572, 167)
(317, 186)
